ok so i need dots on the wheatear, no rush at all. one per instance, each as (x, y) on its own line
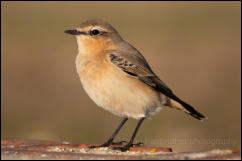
(118, 78)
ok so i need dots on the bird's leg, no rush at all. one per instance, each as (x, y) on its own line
(130, 144)
(110, 140)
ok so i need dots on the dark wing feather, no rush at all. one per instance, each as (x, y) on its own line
(135, 65)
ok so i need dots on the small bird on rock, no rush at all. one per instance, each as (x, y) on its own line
(117, 78)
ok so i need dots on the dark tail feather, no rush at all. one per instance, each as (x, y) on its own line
(158, 85)
(192, 111)
(186, 108)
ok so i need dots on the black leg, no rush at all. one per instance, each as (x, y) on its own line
(110, 140)
(130, 144)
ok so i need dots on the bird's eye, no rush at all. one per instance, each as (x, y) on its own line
(94, 32)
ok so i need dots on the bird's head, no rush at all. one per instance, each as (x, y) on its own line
(95, 35)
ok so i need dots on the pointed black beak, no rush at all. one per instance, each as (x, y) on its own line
(74, 32)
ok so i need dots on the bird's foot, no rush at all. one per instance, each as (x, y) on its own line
(108, 143)
(127, 147)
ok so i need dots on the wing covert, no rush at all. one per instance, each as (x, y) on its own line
(135, 65)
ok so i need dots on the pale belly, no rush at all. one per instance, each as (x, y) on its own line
(117, 92)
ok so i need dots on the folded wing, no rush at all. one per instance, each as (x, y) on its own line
(135, 65)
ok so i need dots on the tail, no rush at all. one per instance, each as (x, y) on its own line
(175, 102)
(183, 106)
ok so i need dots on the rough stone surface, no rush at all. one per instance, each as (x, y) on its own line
(16, 149)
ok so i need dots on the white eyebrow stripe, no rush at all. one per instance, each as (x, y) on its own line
(98, 28)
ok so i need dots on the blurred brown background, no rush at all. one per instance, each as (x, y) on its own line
(195, 47)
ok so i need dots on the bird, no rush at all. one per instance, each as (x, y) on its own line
(117, 77)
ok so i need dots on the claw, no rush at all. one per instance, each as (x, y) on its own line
(107, 144)
(138, 144)
(127, 146)
(122, 149)
(92, 147)
(119, 143)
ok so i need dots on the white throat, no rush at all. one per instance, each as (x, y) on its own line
(81, 47)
